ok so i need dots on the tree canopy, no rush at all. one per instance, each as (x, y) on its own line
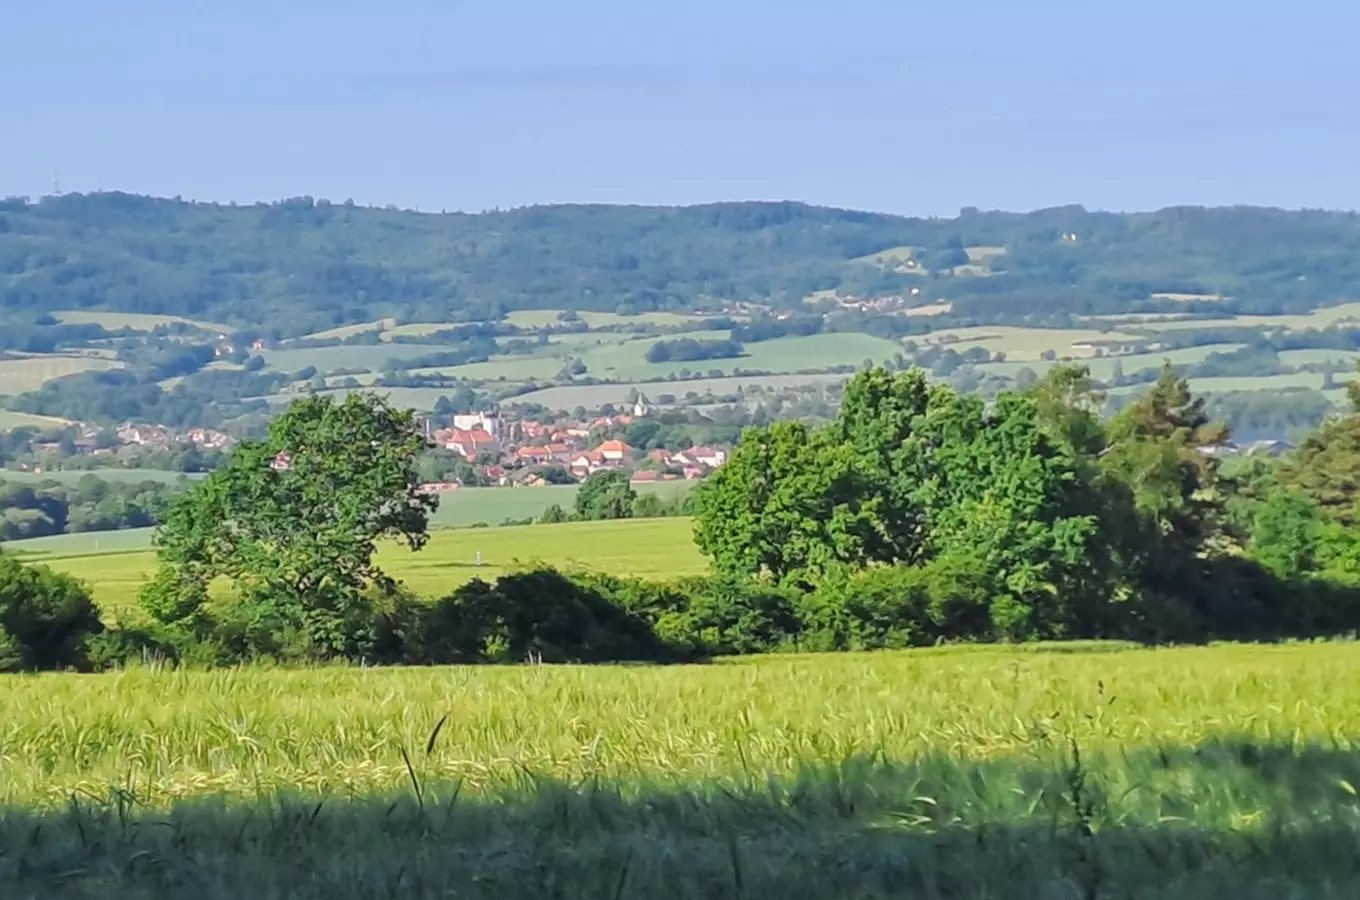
(293, 520)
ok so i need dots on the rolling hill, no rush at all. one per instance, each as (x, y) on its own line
(303, 265)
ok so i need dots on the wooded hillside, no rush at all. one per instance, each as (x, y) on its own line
(302, 264)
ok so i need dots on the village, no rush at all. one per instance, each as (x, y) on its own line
(489, 449)
(526, 453)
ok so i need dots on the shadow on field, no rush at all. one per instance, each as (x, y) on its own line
(1252, 820)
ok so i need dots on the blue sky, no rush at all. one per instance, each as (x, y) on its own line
(896, 106)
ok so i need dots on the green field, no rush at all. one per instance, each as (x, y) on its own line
(344, 331)
(114, 321)
(644, 547)
(972, 773)
(31, 373)
(1103, 367)
(1345, 358)
(405, 398)
(627, 362)
(594, 395)
(1249, 383)
(1345, 313)
(1023, 344)
(362, 356)
(124, 476)
(12, 420)
(547, 318)
(507, 368)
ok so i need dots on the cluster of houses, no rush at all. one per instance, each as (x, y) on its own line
(160, 436)
(1255, 448)
(514, 454)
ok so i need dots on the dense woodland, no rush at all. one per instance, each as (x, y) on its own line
(292, 267)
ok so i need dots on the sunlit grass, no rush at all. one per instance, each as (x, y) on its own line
(177, 733)
(648, 548)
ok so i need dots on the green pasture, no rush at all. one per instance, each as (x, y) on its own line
(1327, 316)
(12, 420)
(30, 373)
(592, 396)
(344, 331)
(122, 476)
(1311, 380)
(547, 318)
(361, 356)
(658, 548)
(1024, 344)
(1102, 367)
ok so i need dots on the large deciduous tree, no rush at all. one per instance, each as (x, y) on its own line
(293, 520)
(906, 474)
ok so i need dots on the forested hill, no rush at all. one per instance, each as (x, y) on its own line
(301, 264)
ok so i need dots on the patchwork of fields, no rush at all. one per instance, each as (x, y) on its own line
(614, 351)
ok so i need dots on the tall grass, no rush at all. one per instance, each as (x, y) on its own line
(1101, 772)
(1098, 772)
(174, 734)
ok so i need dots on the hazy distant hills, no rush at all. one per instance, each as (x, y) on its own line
(301, 265)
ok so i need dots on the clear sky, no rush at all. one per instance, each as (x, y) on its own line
(893, 105)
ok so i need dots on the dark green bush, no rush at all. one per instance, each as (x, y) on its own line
(726, 616)
(46, 618)
(118, 647)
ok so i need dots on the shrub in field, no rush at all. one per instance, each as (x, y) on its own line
(901, 606)
(724, 616)
(539, 614)
(46, 618)
(605, 495)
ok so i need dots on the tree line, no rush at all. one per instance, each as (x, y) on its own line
(918, 515)
(91, 504)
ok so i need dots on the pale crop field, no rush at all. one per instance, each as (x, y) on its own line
(1327, 316)
(1311, 380)
(1103, 367)
(1024, 344)
(547, 318)
(343, 331)
(359, 356)
(504, 368)
(1346, 358)
(30, 373)
(593, 395)
(1095, 772)
(12, 420)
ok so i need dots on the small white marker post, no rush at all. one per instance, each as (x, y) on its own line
(479, 557)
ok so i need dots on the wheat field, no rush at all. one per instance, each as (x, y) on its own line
(1051, 771)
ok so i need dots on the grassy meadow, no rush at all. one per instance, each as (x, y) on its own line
(18, 376)
(1085, 771)
(10, 420)
(593, 395)
(116, 564)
